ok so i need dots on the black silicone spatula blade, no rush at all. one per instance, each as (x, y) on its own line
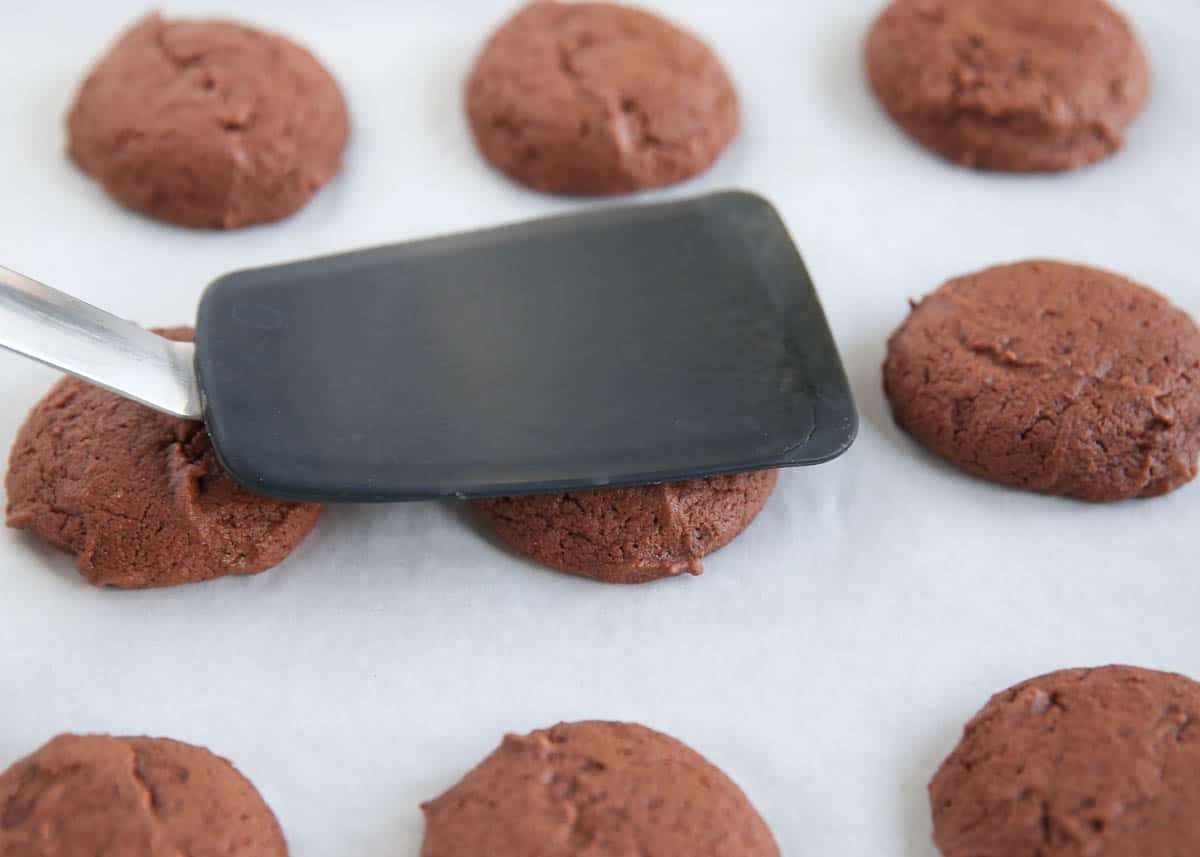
(623, 345)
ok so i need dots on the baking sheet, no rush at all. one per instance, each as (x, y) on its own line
(826, 660)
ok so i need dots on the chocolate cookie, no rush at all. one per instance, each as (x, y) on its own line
(1102, 762)
(86, 795)
(598, 789)
(1018, 85)
(208, 123)
(630, 535)
(597, 98)
(139, 496)
(1053, 378)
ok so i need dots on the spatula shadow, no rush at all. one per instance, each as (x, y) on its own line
(468, 518)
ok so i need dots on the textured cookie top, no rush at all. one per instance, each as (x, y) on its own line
(208, 123)
(139, 496)
(1101, 762)
(595, 789)
(597, 98)
(630, 535)
(1022, 85)
(85, 795)
(1052, 377)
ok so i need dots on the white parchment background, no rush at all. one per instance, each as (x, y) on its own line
(826, 659)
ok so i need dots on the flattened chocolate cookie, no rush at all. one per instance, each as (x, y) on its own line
(139, 496)
(208, 123)
(630, 535)
(597, 98)
(88, 795)
(1101, 762)
(597, 789)
(1054, 378)
(1016, 85)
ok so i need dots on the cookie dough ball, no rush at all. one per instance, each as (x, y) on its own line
(138, 495)
(597, 98)
(597, 789)
(1017, 85)
(86, 795)
(1054, 378)
(1102, 762)
(630, 535)
(208, 123)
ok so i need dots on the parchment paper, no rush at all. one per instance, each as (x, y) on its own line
(826, 659)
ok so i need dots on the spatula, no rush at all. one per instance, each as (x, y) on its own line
(630, 344)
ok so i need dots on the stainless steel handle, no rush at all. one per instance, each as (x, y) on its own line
(68, 334)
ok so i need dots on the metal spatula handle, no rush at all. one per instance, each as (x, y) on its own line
(68, 334)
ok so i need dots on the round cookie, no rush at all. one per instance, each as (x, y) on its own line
(598, 98)
(132, 797)
(1016, 85)
(1054, 378)
(630, 535)
(1102, 762)
(207, 123)
(595, 789)
(138, 495)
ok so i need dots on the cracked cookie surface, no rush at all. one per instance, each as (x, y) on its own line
(1054, 378)
(132, 797)
(139, 496)
(597, 98)
(207, 123)
(630, 535)
(595, 788)
(1015, 85)
(1099, 762)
